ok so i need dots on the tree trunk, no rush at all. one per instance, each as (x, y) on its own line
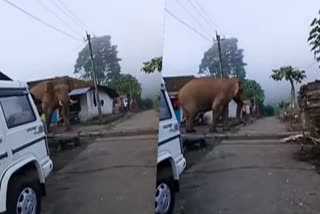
(293, 101)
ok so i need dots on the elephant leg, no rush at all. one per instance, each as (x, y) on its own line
(189, 122)
(225, 118)
(65, 115)
(217, 109)
(238, 114)
(48, 115)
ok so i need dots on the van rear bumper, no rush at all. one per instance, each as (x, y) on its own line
(47, 168)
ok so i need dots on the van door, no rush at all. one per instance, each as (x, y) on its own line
(24, 130)
(169, 130)
(4, 153)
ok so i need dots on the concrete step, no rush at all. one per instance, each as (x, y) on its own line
(239, 136)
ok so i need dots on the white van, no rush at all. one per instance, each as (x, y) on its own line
(24, 154)
(171, 162)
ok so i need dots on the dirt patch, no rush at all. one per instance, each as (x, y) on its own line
(66, 153)
(310, 154)
(195, 151)
(295, 126)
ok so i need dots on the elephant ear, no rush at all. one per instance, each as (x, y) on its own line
(49, 87)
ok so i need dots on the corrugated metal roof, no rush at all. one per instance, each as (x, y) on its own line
(79, 91)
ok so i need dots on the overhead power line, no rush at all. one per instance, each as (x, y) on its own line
(192, 16)
(207, 18)
(187, 25)
(62, 7)
(42, 4)
(41, 21)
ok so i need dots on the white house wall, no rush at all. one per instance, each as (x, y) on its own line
(84, 116)
(232, 109)
(107, 107)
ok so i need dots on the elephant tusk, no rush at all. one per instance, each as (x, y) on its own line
(73, 101)
(60, 103)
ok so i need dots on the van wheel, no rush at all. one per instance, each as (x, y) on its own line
(24, 196)
(165, 195)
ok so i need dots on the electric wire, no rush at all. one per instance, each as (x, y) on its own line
(41, 21)
(188, 26)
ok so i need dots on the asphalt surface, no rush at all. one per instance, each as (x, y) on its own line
(113, 175)
(249, 177)
(108, 174)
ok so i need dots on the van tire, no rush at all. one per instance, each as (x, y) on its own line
(17, 185)
(165, 180)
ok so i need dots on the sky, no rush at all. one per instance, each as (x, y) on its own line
(31, 51)
(272, 33)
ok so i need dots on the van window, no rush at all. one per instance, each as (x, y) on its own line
(164, 108)
(17, 110)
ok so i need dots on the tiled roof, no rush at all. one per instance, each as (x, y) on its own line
(175, 83)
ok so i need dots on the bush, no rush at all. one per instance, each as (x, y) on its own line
(268, 111)
(146, 104)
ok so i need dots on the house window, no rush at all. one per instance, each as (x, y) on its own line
(17, 110)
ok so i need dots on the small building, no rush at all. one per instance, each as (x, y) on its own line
(87, 106)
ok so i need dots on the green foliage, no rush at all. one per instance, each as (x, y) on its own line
(126, 83)
(283, 104)
(253, 90)
(155, 64)
(314, 37)
(289, 74)
(146, 103)
(157, 101)
(105, 57)
(232, 60)
(268, 111)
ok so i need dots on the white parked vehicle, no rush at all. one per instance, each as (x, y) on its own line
(24, 154)
(171, 162)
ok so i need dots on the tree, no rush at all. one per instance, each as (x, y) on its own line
(253, 90)
(126, 84)
(232, 60)
(105, 57)
(289, 74)
(152, 65)
(314, 37)
(283, 104)
(268, 111)
(293, 76)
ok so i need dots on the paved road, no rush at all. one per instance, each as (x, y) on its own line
(108, 175)
(248, 177)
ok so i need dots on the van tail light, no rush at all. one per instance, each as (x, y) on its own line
(176, 103)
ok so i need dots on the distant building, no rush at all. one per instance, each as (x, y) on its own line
(87, 105)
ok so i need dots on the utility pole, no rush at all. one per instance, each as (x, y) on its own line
(94, 76)
(220, 55)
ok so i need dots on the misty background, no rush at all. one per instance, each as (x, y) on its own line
(31, 51)
(272, 34)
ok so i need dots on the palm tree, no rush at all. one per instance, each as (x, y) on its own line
(293, 76)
